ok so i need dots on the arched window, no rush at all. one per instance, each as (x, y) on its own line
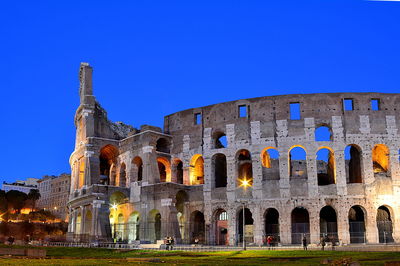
(220, 140)
(179, 171)
(163, 145)
(323, 133)
(197, 170)
(108, 158)
(270, 163)
(325, 167)
(220, 172)
(357, 224)
(244, 166)
(164, 169)
(81, 172)
(380, 159)
(137, 169)
(297, 162)
(352, 156)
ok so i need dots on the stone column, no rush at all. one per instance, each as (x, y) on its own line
(367, 170)
(341, 182)
(312, 177)
(284, 181)
(343, 224)
(257, 175)
(314, 226)
(232, 179)
(371, 228)
(285, 224)
(258, 228)
(83, 218)
(149, 163)
(232, 226)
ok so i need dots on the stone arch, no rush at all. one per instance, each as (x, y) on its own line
(133, 227)
(155, 225)
(81, 176)
(137, 169)
(163, 145)
(198, 227)
(178, 167)
(117, 198)
(122, 176)
(164, 169)
(196, 170)
(219, 140)
(270, 163)
(244, 166)
(246, 232)
(353, 161)
(120, 228)
(326, 170)
(328, 223)
(271, 224)
(323, 133)
(88, 222)
(220, 218)
(357, 216)
(219, 168)
(108, 159)
(300, 225)
(380, 159)
(78, 224)
(297, 162)
(385, 224)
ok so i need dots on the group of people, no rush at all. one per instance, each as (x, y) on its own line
(270, 242)
(323, 240)
(169, 242)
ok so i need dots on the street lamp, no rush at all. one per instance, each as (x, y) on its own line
(244, 183)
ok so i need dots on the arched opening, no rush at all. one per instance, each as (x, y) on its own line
(380, 159)
(221, 227)
(220, 172)
(300, 225)
(164, 169)
(163, 145)
(325, 167)
(180, 200)
(356, 225)
(117, 198)
(297, 162)
(247, 231)
(197, 170)
(133, 227)
(220, 140)
(270, 163)
(154, 225)
(384, 224)
(88, 223)
(271, 223)
(323, 133)
(81, 172)
(78, 224)
(119, 228)
(328, 224)
(352, 156)
(198, 227)
(179, 171)
(244, 166)
(137, 169)
(122, 176)
(108, 158)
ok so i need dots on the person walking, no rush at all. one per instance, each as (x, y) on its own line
(269, 242)
(323, 243)
(304, 241)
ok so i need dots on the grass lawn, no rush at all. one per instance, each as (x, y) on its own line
(86, 256)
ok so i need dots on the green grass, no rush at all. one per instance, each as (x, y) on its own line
(87, 256)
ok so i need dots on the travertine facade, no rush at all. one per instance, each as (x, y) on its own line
(185, 180)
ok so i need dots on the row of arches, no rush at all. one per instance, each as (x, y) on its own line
(297, 166)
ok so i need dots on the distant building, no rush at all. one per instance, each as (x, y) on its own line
(21, 185)
(54, 193)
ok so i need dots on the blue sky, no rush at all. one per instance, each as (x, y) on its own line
(153, 58)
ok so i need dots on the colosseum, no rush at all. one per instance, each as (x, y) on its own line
(284, 166)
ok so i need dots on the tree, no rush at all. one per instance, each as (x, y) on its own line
(33, 196)
(3, 202)
(16, 199)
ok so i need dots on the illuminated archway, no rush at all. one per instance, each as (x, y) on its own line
(297, 162)
(137, 169)
(270, 163)
(108, 158)
(164, 169)
(380, 158)
(196, 172)
(326, 170)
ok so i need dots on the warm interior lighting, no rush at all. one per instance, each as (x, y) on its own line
(245, 182)
(114, 206)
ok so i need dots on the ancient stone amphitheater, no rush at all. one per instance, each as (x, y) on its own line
(296, 165)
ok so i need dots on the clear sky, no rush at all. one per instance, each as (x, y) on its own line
(153, 58)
